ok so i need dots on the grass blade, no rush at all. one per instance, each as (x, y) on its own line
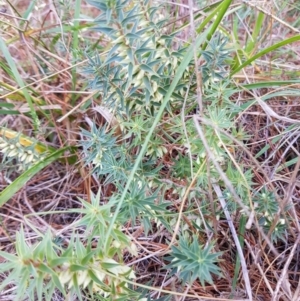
(265, 51)
(17, 184)
(20, 82)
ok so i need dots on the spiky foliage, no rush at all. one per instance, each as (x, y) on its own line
(138, 69)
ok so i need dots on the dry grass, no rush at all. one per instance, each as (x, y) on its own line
(57, 187)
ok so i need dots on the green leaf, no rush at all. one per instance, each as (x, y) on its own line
(130, 18)
(88, 257)
(129, 79)
(148, 69)
(109, 265)
(265, 51)
(253, 40)
(115, 58)
(6, 105)
(23, 250)
(95, 278)
(147, 84)
(130, 55)
(76, 268)
(101, 5)
(287, 164)
(23, 284)
(57, 283)
(270, 84)
(39, 287)
(76, 287)
(132, 36)
(46, 269)
(59, 261)
(80, 249)
(8, 256)
(162, 91)
(106, 30)
(9, 112)
(143, 50)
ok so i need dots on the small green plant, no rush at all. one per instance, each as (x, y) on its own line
(77, 269)
(193, 261)
(267, 209)
(101, 150)
(217, 58)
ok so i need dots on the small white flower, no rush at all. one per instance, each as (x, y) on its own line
(116, 244)
(140, 75)
(12, 153)
(29, 158)
(161, 42)
(99, 274)
(118, 40)
(154, 86)
(83, 278)
(65, 276)
(123, 53)
(144, 23)
(3, 144)
(137, 83)
(22, 156)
